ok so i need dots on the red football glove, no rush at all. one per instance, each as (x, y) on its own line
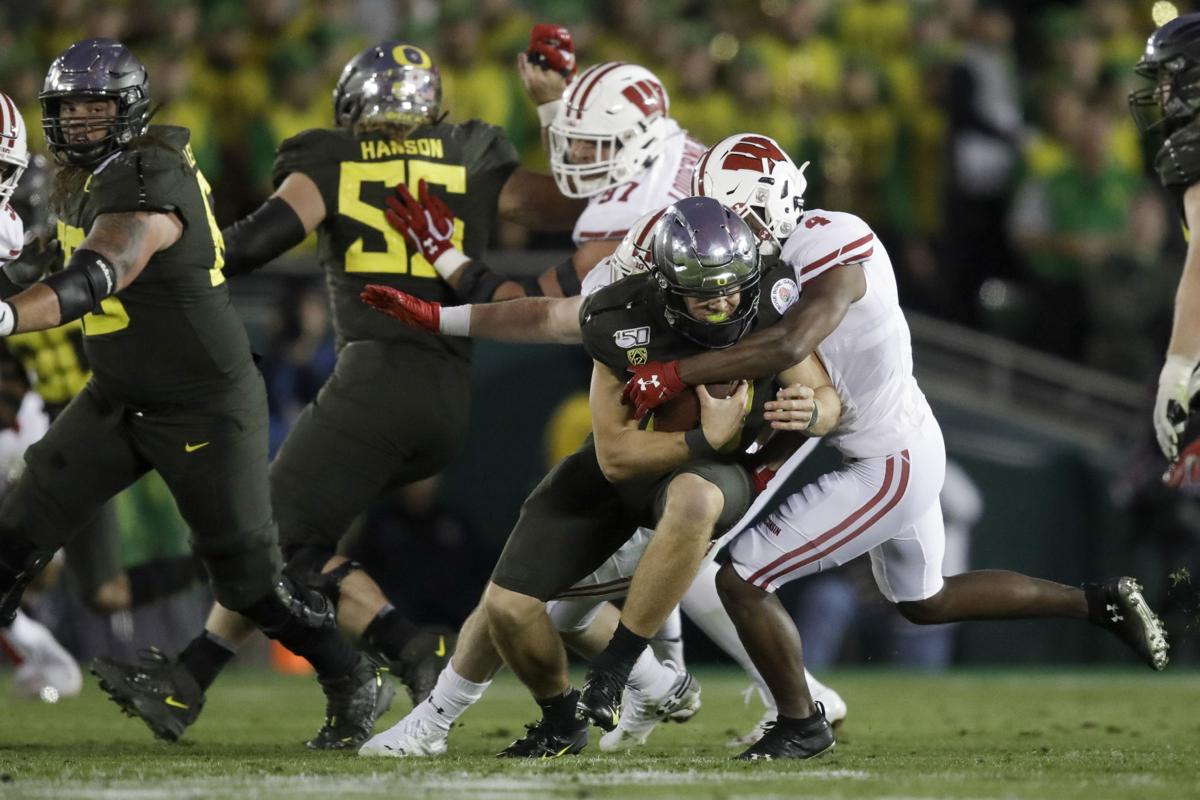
(428, 224)
(760, 478)
(402, 306)
(652, 384)
(551, 47)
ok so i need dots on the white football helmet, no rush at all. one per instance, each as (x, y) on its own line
(635, 252)
(752, 175)
(14, 147)
(611, 125)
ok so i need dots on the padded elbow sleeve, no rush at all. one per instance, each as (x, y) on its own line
(477, 283)
(261, 237)
(87, 279)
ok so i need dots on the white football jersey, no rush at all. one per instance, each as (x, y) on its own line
(631, 256)
(613, 212)
(12, 234)
(869, 354)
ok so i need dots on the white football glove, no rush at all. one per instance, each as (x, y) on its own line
(1177, 384)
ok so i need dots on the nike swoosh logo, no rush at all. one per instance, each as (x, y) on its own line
(441, 648)
(191, 448)
(173, 703)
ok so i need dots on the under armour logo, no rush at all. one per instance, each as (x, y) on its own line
(1112, 609)
(643, 383)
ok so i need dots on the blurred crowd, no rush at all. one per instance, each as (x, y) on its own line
(988, 143)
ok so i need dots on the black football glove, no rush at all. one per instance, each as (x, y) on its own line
(1178, 160)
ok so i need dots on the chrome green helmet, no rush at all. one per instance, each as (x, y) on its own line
(704, 250)
(391, 82)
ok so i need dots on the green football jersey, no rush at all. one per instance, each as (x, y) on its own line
(465, 164)
(623, 325)
(173, 331)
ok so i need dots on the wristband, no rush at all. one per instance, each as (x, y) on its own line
(698, 446)
(813, 419)
(455, 320)
(548, 111)
(449, 262)
(8, 318)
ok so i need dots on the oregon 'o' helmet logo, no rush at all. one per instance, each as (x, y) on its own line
(408, 54)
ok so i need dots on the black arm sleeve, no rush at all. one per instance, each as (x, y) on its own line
(261, 237)
(7, 287)
(568, 278)
(478, 283)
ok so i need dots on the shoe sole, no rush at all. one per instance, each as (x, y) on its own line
(832, 745)
(130, 705)
(1130, 591)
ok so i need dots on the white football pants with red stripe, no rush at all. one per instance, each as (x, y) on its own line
(886, 506)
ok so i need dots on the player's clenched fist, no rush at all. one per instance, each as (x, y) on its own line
(652, 384)
(402, 306)
(548, 65)
(428, 224)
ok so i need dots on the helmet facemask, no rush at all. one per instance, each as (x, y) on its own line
(1172, 101)
(14, 149)
(71, 139)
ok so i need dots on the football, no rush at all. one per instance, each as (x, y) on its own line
(682, 413)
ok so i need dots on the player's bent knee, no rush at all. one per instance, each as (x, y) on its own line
(734, 590)
(694, 498)
(929, 611)
(509, 610)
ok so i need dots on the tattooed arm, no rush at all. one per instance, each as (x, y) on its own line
(113, 254)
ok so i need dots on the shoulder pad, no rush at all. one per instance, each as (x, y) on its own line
(827, 239)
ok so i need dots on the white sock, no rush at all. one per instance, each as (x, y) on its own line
(649, 676)
(667, 644)
(451, 697)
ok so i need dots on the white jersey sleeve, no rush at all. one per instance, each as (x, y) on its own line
(825, 240)
(614, 212)
(12, 234)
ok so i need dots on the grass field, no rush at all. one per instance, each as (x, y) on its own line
(1087, 735)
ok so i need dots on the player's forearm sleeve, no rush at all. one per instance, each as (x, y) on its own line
(261, 237)
(477, 283)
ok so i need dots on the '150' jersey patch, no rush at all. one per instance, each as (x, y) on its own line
(632, 337)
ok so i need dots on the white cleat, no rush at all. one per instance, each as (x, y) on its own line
(641, 713)
(44, 670)
(410, 737)
(835, 712)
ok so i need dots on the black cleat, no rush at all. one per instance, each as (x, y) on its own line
(600, 699)
(545, 740)
(158, 691)
(422, 660)
(352, 705)
(778, 742)
(1118, 606)
(13, 581)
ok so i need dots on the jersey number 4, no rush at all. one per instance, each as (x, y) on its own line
(385, 250)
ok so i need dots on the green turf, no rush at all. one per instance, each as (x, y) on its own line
(1087, 735)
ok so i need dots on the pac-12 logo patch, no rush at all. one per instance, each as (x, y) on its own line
(637, 355)
(632, 337)
(784, 293)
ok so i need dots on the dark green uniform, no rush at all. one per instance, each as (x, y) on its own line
(575, 518)
(173, 386)
(396, 408)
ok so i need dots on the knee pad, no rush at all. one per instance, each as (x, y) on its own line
(305, 567)
(290, 609)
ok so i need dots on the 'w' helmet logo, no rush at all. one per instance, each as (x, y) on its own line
(647, 95)
(755, 153)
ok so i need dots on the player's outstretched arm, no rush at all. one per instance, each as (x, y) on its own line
(111, 256)
(533, 200)
(1177, 383)
(279, 224)
(428, 224)
(821, 306)
(530, 320)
